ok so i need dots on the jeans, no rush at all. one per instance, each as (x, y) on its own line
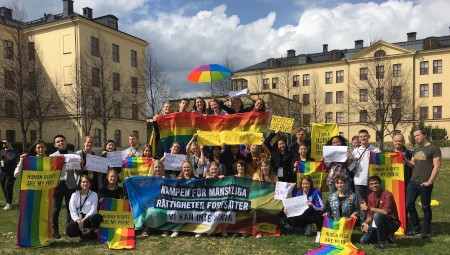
(7, 181)
(385, 226)
(361, 192)
(412, 192)
(73, 230)
(61, 193)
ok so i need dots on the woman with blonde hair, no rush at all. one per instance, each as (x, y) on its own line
(265, 172)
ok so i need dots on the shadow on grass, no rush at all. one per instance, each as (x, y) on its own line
(440, 228)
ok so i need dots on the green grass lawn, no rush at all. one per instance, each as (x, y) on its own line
(290, 242)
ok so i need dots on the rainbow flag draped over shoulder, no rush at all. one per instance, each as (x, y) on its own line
(117, 228)
(389, 166)
(336, 238)
(136, 166)
(180, 126)
(313, 169)
(40, 176)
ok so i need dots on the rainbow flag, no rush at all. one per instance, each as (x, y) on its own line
(117, 228)
(347, 249)
(315, 170)
(40, 176)
(309, 167)
(180, 126)
(389, 166)
(136, 166)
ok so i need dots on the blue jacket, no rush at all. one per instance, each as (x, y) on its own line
(315, 197)
(350, 205)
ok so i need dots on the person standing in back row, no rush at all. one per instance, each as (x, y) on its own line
(359, 164)
(9, 158)
(426, 161)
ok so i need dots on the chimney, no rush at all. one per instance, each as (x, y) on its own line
(87, 12)
(290, 53)
(359, 44)
(411, 36)
(6, 13)
(67, 7)
(325, 48)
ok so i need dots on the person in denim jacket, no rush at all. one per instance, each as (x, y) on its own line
(342, 203)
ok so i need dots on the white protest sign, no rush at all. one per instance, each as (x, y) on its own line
(295, 206)
(72, 161)
(173, 161)
(283, 190)
(334, 153)
(96, 163)
(115, 158)
(233, 94)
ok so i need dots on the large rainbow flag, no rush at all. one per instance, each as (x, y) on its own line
(336, 238)
(315, 170)
(40, 176)
(389, 166)
(136, 166)
(180, 126)
(117, 228)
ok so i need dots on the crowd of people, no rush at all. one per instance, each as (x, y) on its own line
(348, 181)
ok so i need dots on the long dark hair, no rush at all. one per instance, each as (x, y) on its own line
(340, 137)
(32, 149)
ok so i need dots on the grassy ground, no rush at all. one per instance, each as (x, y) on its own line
(290, 242)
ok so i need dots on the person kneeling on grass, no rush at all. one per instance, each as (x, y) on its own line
(383, 212)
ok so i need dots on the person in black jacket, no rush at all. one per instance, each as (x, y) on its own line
(281, 159)
(231, 156)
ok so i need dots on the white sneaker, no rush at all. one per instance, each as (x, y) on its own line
(174, 234)
(8, 207)
(318, 237)
(198, 235)
(308, 230)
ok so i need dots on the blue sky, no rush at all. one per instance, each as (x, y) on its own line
(185, 34)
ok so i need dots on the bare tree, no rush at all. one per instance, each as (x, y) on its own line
(157, 84)
(383, 97)
(316, 100)
(223, 87)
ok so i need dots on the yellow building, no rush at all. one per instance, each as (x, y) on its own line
(384, 87)
(93, 68)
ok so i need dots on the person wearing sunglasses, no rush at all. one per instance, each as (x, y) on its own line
(9, 159)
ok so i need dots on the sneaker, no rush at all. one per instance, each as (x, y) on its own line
(282, 221)
(56, 235)
(390, 239)
(165, 234)
(235, 235)
(8, 207)
(259, 235)
(308, 230)
(244, 235)
(174, 234)
(287, 226)
(318, 237)
(144, 233)
(413, 232)
(380, 246)
(425, 235)
(224, 234)
(198, 235)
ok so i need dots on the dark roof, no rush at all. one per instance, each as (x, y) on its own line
(304, 59)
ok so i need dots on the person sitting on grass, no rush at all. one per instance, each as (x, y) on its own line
(343, 202)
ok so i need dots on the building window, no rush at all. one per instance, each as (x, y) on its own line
(116, 108)
(437, 89)
(8, 47)
(363, 116)
(397, 92)
(328, 117)
(363, 95)
(11, 134)
(296, 98)
(133, 58)
(380, 94)
(340, 76)
(328, 97)
(437, 112)
(134, 85)
(95, 47)
(115, 52)
(239, 84)
(339, 97)
(423, 90)
(306, 80)
(423, 113)
(275, 83)
(33, 135)
(97, 137)
(10, 108)
(397, 70)
(396, 114)
(134, 112)
(424, 67)
(296, 80)
(380, 72)
(32, 81)
(437, 66)
(31, 51)
(379, 115)
(363, 73)
(9, 79)
(328, 77)
(117, 138)
(116, 81)
(339, 117)
(266, 83)
(306, 119)
(95, 77)
(305, 99)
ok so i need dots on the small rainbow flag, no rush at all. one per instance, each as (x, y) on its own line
(116, 212)
(309, 167)
(347, 249)
(136, 166)
(386, 158)
(40, 176)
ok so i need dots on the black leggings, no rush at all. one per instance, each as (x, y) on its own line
(73, 230)
(302, 220)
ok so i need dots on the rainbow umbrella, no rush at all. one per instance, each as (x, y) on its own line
(209, 73)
